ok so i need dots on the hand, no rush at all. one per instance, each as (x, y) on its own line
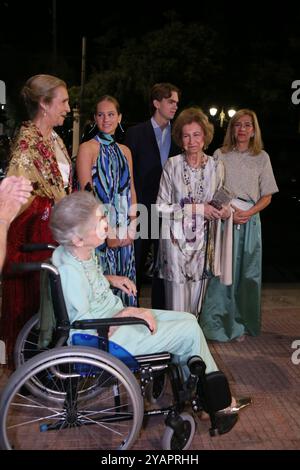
(127, 237)
(240, 217)
(211, 213)
(16, 188)
(225, 212)
(118, 242)
(143, 313)
(132, 229)
(123, 283)
(14, 192)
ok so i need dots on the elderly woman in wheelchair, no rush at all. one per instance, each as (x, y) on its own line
(87, 397)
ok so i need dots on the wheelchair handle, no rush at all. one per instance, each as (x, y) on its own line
(22, 267)
(29, 247)
(36, 266)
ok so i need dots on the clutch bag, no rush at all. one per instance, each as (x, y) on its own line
(222, 197)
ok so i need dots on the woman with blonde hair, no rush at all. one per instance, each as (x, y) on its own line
(230, 312)
(39, 155)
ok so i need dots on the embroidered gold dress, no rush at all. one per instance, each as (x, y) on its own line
(34, 157)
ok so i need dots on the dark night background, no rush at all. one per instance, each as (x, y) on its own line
(243, 54)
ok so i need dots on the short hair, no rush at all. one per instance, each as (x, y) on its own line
(37, 87)
(160, 91)
(71, 215)
(187, 116)
(111, 99)
(255, 143)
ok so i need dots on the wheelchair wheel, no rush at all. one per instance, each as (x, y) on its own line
(26, 345)
(175, 441)
(109, 419)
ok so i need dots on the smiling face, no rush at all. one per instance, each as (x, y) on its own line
(192, 138)
(243, 129)
(107, 117)
(58, 108)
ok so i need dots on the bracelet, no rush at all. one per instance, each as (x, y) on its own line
(4, 222)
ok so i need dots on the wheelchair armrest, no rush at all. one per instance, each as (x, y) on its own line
(107, 322)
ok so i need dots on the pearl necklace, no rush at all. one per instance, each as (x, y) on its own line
(99, 285)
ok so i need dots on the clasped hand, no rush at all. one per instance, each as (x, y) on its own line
(211, 213)
(114, 238)
(240, 217)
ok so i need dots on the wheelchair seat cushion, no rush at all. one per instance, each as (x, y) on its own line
(81, 339)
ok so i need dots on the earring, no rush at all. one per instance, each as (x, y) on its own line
(120, 126)
(252, 135)
(44, 113)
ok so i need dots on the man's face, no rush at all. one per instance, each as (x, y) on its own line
(167, 107)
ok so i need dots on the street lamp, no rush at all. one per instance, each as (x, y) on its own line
(222, 116)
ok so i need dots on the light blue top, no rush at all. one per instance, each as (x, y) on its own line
(163, 139)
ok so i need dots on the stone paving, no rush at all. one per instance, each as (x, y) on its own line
(262, 368)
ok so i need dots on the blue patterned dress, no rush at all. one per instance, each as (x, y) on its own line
(111, 183)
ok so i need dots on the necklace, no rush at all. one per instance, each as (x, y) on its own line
(235, 149)
(194, 195)
(99, 285)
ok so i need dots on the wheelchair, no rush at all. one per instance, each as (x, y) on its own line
(90, 396)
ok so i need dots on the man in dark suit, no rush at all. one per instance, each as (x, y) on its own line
(151, 145)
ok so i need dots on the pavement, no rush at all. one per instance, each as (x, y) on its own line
(266, 367)
(261, 367)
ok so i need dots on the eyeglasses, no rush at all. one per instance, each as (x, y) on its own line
(246, 125)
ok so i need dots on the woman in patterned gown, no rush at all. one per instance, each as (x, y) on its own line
(106, 168)
(38, 154)
(190, 235)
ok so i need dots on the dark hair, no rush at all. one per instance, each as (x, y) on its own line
(110, 98)
(160, 91)
(187, 116)
(39, 87)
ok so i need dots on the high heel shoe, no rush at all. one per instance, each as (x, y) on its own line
(224, 420)
(241, 403)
